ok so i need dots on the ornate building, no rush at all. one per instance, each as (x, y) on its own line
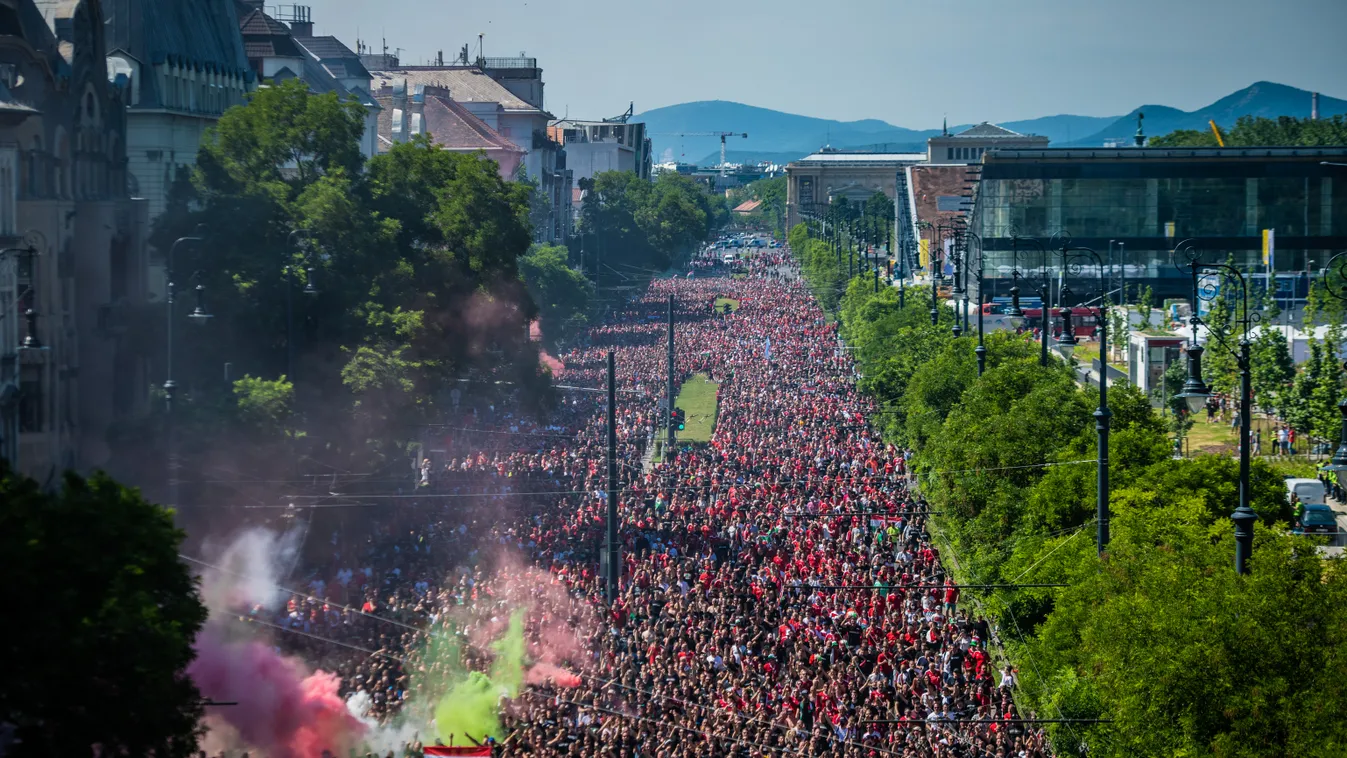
(73, 240)
(185, 65)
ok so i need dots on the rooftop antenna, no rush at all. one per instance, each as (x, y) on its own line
(481, 57)
(944, 127)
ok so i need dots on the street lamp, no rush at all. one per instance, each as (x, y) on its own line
(1074, 258)
(981, 350)
(1195, 393)
(1015, 314)
(199, 316)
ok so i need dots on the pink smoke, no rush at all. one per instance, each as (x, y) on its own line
(282, 710)
(544, 673)
(556, 366)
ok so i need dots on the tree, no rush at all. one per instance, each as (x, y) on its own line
(1271, 368)
(413, 256)
(1146, 303)
(94, 572)
(561, 292)
(1248, 131)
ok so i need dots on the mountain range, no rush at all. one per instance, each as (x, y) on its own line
(782, 137)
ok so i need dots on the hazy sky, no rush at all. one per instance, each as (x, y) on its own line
(908, 62)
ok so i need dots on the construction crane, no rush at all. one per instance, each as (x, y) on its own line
(721, 135)
(1216, 130)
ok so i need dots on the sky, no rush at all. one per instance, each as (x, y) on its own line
(908, 62)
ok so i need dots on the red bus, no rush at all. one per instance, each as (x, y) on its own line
(1085, 321)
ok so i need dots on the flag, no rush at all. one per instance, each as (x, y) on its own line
(767, 351)
(1269, 248)
(924, 250)
(481, 750)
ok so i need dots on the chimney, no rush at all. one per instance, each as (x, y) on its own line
(418, 108)
(1314, 106)
(300, 20)
(399, 130)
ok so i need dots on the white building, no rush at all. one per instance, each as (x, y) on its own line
(593, 147)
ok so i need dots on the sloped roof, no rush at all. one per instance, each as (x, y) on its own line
(200, 33)
(340, 60)
(450, 125)
(985, 130)
(748, 206)
(465, 84)
(255, 21)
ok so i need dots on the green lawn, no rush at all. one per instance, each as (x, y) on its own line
(721, 302)
(697, 398)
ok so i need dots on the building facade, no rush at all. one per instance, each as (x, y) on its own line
(815, 181)
(431, 111)
(72, 271)
(507, 114)
(283, 47)
(1134, 205)
(186, 66)
(969, 145)
(593, 147)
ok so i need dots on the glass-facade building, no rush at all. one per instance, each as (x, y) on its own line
(1133, 206)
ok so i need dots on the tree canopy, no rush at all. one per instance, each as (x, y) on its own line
(104, 616)
(1157, 636)
(645, 227)
(384, 279)
(1248, 131)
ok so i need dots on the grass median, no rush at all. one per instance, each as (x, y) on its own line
(697, 398)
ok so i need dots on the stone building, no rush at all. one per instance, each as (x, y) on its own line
(816, 180)
(73, 269)
(186, 66)
(485, 92)
(969, 145)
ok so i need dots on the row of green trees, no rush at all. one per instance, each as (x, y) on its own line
(1160, 637)
(635, 227)
(1250, 131)
(771, 192)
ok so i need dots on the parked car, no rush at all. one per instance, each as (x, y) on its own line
(1317, 519)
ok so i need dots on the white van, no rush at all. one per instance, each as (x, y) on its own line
(1310, 491)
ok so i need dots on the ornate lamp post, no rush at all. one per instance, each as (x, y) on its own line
(1014, 314)
(1195, 392)
(199, 316)
(1074, 259)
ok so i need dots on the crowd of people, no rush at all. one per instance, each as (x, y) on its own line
(779, 593)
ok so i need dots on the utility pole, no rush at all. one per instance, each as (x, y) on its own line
(668, 418)
(613, 570)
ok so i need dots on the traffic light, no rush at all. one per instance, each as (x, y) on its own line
(679, 419)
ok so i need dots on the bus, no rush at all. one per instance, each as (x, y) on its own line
(1085, 321)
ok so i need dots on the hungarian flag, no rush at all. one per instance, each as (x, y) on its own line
(482, 750)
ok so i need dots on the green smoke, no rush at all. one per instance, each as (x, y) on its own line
(470, 702)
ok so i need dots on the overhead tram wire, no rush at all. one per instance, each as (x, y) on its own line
(224, 570)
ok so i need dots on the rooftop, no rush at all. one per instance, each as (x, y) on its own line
(837, 156)
(451, 126)
(1166, 153)
(203, 34)
(467, 84)
(987, 130)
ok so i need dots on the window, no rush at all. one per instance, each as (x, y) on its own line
(949, 153)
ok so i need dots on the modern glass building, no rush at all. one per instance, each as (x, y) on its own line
(1133, 205)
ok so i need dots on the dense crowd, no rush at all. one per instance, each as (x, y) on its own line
(779, 594)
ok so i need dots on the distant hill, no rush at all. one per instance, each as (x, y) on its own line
(768, 131)
(782, 137)
(1265, 99)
